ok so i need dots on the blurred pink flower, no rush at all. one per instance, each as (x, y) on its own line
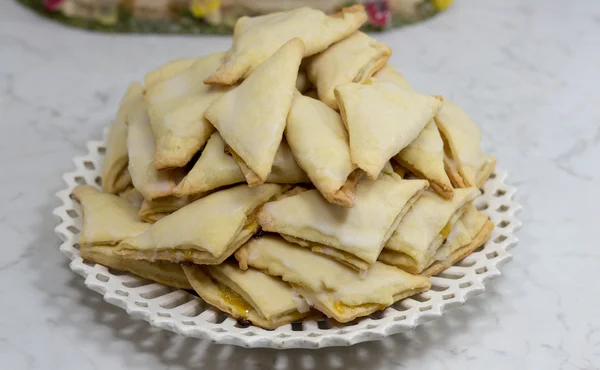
(379, 12)
(52, 4)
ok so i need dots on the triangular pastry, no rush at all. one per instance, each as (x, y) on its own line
(176, 108)
(167, 71)
(285, 170)
(163, 272)
(466, 164)
(212, 170)
(354, 236)
(206, 231)
(251, 117)
(424, 157)
(424, 228)
(114, 176)
(215, 169)
(390, 74)
(107, 219)
(256, 39)
(469, 233)
(319, 142)
(248, 295)
(329, 286)
(153, 210)
(354, 59)
(382, 119)
(141, 147)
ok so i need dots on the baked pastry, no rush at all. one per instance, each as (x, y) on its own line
(253, 138)
(206, 231)
(390, 74)
(133, 196)
(471, 231)
(107, 219)
(212, 170)
(163, 272)
(248, 295)
(114, 171)
(354, 236)
(285, 170)
(354, 59)
(382, 119)
(153, 210)
(215, 169)
(329, 286)
(167, 71)
(150, 182)
(251, 117)
(466, 164)
(319, 142)
(176, 108)
(424, 228)
(424, 157)
(256, 39)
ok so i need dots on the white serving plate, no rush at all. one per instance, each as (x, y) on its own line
(186, 314)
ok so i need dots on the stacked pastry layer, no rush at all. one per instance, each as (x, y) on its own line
(297, 172)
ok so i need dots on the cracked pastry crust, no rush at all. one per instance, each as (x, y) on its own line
(249, 295)
(372, 112)
(331, 287)
(206, 231)
(251, 118)
(115, 177)
(256, 39)
(319, 142)
(354, 59)
(424, 228)
(354, 236)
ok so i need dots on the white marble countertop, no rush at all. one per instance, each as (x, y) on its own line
(528, 73)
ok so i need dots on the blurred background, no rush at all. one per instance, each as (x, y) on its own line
(215, 16)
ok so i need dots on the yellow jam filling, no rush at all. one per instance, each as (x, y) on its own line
(341, 307)
(235, 300)
(446, 230)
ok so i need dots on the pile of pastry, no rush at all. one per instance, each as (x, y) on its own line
(294, 174)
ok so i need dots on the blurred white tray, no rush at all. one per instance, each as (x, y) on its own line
(186, 314)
